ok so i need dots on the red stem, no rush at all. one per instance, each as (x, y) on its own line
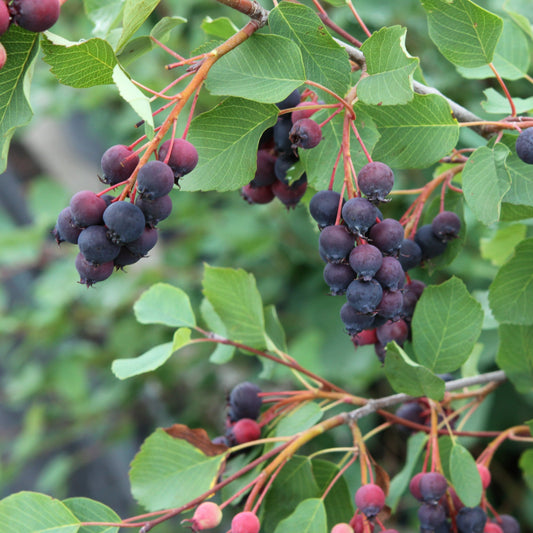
(505, 90)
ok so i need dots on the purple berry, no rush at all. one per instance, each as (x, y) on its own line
(388, 236)
(429, 243)
(364, 296)
(390, 274)
(87, 209)
(264, 174)
(353, 321)
(154, 180)
(91, 273)
(365, 260)
(410, 254)
(65, 229)
(446, 226)
(375, 180)
(336, 243)
(118, 164)
(290, 195)
(433, 486)
(338, 276)
(359, 215)
(96, 247)
(324, 206)
(183, 157)
(244, 401)
(305, 133)
(125, 222)
(154, 210)
(35, 15)
(257, 195)
(524, 146)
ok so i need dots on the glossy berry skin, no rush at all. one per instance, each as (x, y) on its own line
(245, 522)
(118, 163)
(430, 245)
(471, 520)
(65, 229)
(431, 516)
(509, 524)
(524, 146)
(154, 210)
(335, 243)
(305, 133)
(96, 247)
(432, 487)
(323, 207)
(257, 195)
(375, 180)
(206, 516)
(91, 273)
(359, 215)
(244, 430)
(387, 236)
(35, 15)
(342, 528)
(484, 474)
(370, 499)
(364, 296)
(409, 255)
(183, 157)
(155, 179)
(289, 195)
(87, 209)
(264, 174)
(125, 222)
(353, 321)
(365, 260)
(390, 274)
(5, 18)
(446, 226)
(244, 401)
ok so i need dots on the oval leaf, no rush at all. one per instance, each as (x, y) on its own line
(465, 476)
(309, 517)
(87, 510)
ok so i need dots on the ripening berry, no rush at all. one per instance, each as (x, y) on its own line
(492, 527)
(353, 321)
(431, 516)
(244, 430)
(524, 146)
(305, 133)
(390, 274)
(359, 215)
(154, 210)
(154, 180)
(91, 273)
(370, 499)
(338, 276)
(125, 222)
(245, 522)
(35, 15)
(342, 528)
(206, 516)
(375, 180)
(368, 336)
(397, 331)
(118, 163)
(390, 305)
(324, 206)
(365, 261)
(387, 236)
(65, 228)
(141, 246)
(484, 474)
(3, 56)
(264, 174)
(335, 243)
(411, 414)
(432, 487)
(302, 112)
(5, 18)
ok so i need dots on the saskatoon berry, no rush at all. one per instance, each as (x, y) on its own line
(65, 229)
(509, 524)
(283, 164)
(370, 499)
(390, 274)
(471, 520)
(492, 527)
(257, 195)
(125, 258)
(323, 207)
(87, 209)
(484, 474)
(144, 243)
(206, 516)
(282, 128)
(342, 528)
(431, 516)
(305, 133)
(154, 210)
(3, 56)
(353, 321)
(364, 338)
(375, 180)
(244, 401)
(183, 157)
(359, 215)
(5, 18)
(291, 101)
(124, 221)
(390, 305)
(35, 15)
(446, 226)
(364, 296)
(365, 260)
(91, 273)
(302, 112)
(244, 430)
(96, 247)
(245, 522)
(118, 164)
(290, 195)
(432, 487)
(410, 254)
(155, 179)
(413, 412)
(430, 245)
(392, 331)
(338, 276)
(414, 484)
(264, 174)
(524, 146)
(387, 236)
(335, 243)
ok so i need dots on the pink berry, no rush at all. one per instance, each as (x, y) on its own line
(342, 528)
(484, 474)
(183, 156)
(370, 499)
(414, 486)
(491, 527)
(305, 133)
(245, 430)
(5, 18)
(207, 516)
(245, 522)
(3, 56)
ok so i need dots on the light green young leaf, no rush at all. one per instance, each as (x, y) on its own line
(515, 355)
(223, 353)
(133, 366)
(309, 517)
(105, 14)
(498, 104)
(298, 420)
(499, 247)
(135, 13)
(221, 27)
(526, 465)
(274, 333)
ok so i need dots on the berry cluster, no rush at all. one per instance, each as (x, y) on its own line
(112, 233)
(278, 153)
(367, 257)
(32, 15)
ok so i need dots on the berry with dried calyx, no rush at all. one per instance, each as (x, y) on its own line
(154, 210)
(91, 273)
(65, 228)
(96, 247)
(359, 215)
(118, 163)
(432, 487)
(353, 321)
(364, 296)
(305, 133)
(87, 209)
(335, 243)
(183, 157)
(365, 260)
(338, 276)
(429, 243)
(154, 180)
(245, 522)
(446, 226)
(375, 180)
(206, 516)
(370, 499)
(387, 236)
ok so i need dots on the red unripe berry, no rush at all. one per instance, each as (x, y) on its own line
(342, 528)
(3, 56)
(484, 474)
(491, 527)
(370, 499)
(35, 15)
(5, 18)
(289, 195)
(367, 336)
(414, 486)
(305, 133)
(245, 522)
(246, 430)
(257, 195)
(207, 516)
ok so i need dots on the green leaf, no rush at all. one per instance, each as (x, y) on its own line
(221, 27)
(324, 60)
(31, 512)
(309, 517)
(148, 361)
(414, 135)
(274, 333)
(511, 292)
(446, 325)
(520, 20)
(105, 14)
(526, 465)
(515, 355)
(226, 138)
(339, 501)
(135, 13)
(465, 476)
(235, 298)
(265, 68)
(401, 480)
(390, 69)
(500, 246)
(22, 48)
(169, 472)
(79, 65)
(299, 419)
(137, 100)
(485, 182)
(406, 376)
(521, 191)
(498, 104)
(511, 212)
(87, 510)
(294, 483)
(465, 34)
(511, 58)
(223, 353)
(164, 304)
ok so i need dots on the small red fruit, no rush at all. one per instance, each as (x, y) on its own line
(245, 522)
(257, 195)
(342, 528)
(5, 18)
(414, 486)
(305, 133)
(484, 474)
(491, 527)
(207, 516)
(245, 430)
(370, 499)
